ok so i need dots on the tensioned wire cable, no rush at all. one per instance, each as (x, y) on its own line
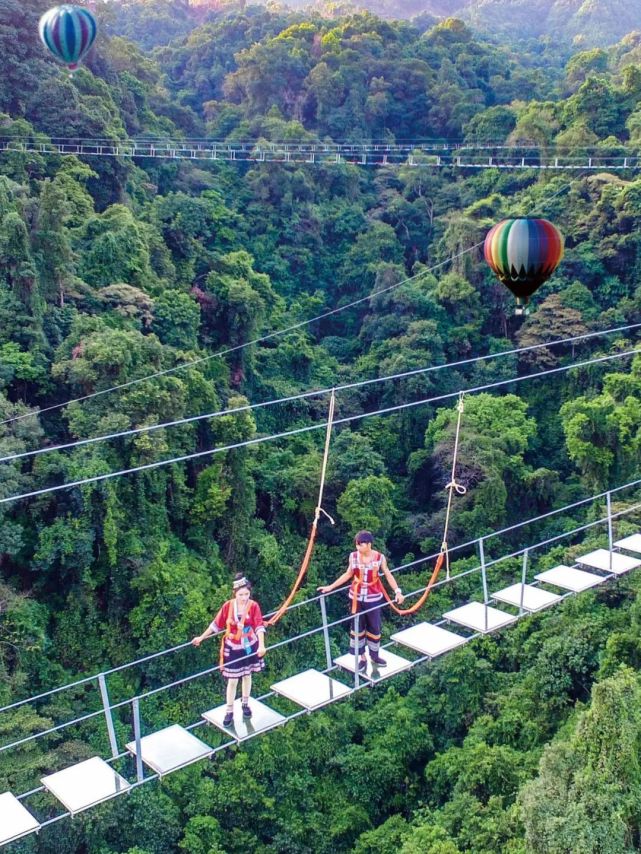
(322, 425)
(271, 693)
(314, 393)
(466, 361)
(410, 565)
(269, 336)
(277, 333)
(305, 634)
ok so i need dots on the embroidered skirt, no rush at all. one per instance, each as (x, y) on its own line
(239, 661)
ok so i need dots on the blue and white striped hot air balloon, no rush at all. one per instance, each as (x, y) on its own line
(68, 31)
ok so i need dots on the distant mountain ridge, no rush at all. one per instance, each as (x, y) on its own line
(587, 23)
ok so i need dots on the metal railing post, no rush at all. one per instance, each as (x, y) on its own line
(608, 499)
(104, 694)
(523, 577)
(356, 650)
(328, 649)
(484, 578)
(140, 773)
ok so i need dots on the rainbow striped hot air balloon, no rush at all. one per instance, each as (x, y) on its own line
(523, 253)
(68, 32)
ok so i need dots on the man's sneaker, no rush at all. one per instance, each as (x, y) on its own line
(247, 712)
(228, 719)
(375, 658)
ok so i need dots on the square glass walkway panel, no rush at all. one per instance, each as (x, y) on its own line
(15, 820)
(262, 719)
(170, 748)
(631, 543)
(479, 617)
(85, 784)
(428, 639)
(534, 598)
(311, 689)
(373, 672)
(600, 559)
(569, 578)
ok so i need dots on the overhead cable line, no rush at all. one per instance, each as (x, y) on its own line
(277, 333)
(263, 338)
(150, 428)
(322, 425)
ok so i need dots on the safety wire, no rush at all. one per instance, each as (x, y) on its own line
(150, 428)
(311, 427)
(271, 335)
(453, 486)
(319, 509)
(443, 556)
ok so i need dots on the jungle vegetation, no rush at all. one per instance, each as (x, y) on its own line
(110, 270)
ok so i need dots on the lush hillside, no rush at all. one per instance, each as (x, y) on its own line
(586, 23)
(111, 270)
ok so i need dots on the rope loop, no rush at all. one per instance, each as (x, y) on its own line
(457, 487)
(320, 510)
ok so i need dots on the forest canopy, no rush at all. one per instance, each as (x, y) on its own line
(113, 269)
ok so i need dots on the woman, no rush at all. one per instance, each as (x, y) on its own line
(366, 592)
(243, 646)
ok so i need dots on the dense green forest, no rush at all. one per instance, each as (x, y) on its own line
(575, 24)
(569, 25)
(584, 23)
(110, 270)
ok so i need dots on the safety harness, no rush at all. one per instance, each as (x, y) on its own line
(358, 582)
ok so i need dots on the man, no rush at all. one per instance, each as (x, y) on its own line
(366, 593)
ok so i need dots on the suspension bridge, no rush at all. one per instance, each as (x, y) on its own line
(446, 154)
(502, 598)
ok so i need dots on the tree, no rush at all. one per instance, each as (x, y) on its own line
(494, 436)
(23, 63)
(52, 243)
(177, 320)
(17, 261)
(492, 125)
(368, 503)
(602, 433)
(587, 795)
(243, 297)
(203, 835)
(584, 63)
(551, 320)
(175, 595)
(114, 249)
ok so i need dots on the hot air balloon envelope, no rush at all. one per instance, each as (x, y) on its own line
(523, 253)
(68, 31)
